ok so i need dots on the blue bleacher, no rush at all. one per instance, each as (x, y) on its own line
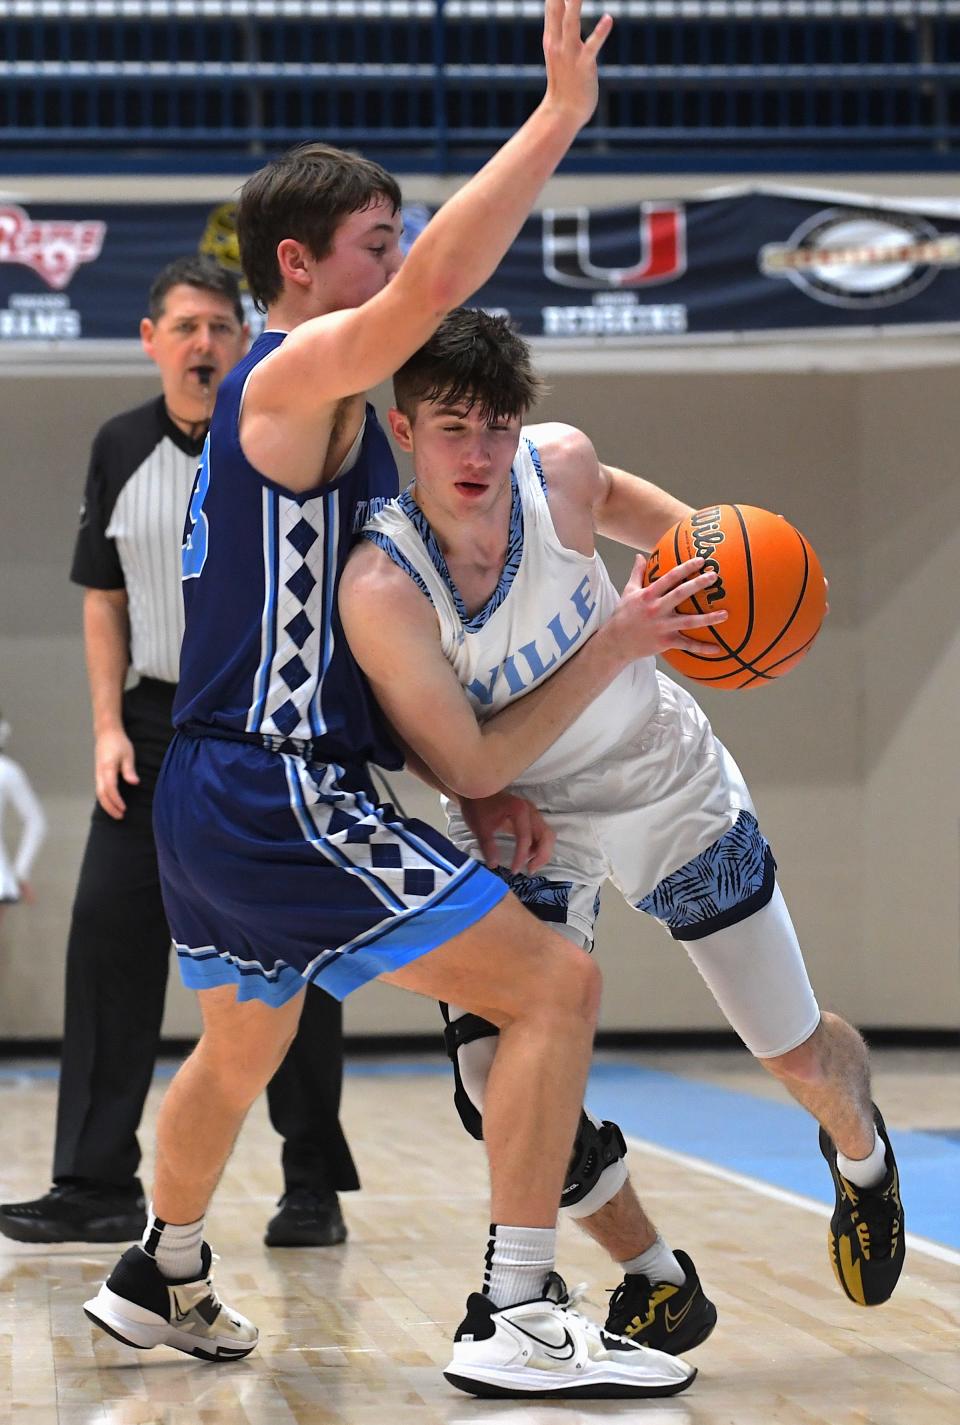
(437, 84)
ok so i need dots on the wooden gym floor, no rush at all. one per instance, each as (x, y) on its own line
(358, 1335)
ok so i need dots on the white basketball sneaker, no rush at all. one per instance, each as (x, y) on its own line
(545, 1348)
(140, 1307)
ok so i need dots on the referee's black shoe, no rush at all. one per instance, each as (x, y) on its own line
(77, 1212)
(662, 1315)
(308, 1217)
(866, 1237)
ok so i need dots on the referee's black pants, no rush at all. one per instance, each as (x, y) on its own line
(118, 957)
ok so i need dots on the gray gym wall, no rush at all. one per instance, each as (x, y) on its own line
(851, 759)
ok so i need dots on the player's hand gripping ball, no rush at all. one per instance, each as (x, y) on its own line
(769, 581)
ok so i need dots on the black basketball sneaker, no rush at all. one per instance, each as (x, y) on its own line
(662, 1315)
(77, 1212)
(866, 1237)
(142, 1308)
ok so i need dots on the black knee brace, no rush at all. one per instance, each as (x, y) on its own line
(457, 1033)
(596, 1147)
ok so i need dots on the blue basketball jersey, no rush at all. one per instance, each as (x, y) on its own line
(264, 652)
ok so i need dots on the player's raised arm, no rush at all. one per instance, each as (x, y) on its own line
(336, 355)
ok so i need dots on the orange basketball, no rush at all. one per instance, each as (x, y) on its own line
(770, 582)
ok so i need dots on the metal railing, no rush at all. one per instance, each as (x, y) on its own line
(446, 80)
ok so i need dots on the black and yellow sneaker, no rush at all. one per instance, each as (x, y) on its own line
(662, 1315)
(866, 1238)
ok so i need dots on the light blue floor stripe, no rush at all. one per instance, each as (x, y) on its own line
(774, 1142)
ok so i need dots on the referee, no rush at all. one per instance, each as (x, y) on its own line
(127, 558)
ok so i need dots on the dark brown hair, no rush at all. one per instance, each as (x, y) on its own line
(472, 359)
(302, 195)
(202, 272)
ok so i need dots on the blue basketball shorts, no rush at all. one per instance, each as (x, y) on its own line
(276, 872)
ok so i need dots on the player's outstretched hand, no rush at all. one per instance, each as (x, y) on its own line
(649, 617)
(513, 818)
(571, 61)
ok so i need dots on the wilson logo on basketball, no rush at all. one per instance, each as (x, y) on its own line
(707, 534)
(568, 248)
(772, 590)
(53, 247)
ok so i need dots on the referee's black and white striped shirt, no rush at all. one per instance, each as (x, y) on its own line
(141, 474)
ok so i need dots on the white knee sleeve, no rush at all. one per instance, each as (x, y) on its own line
(756, 974)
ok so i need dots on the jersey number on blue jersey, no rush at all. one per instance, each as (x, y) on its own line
(197, 533)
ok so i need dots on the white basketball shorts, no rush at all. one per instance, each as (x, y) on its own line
(669, 821)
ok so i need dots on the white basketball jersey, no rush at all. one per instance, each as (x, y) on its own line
(548, 602)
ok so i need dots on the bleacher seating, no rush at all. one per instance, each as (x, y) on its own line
(438, 83)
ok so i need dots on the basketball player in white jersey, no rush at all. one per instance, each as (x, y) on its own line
(478, 585)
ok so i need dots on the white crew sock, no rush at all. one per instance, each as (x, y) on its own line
(175, 1248)
(865, 1172)
(517, 1263)
(657, 1264)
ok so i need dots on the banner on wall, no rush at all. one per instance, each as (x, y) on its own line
(736, 261)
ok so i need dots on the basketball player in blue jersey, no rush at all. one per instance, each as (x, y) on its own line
(278, 866)
(482, 583)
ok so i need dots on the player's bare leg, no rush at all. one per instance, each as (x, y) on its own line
(829, 1074)
(241, 1048)
(660, 1302)
(520, 1338)
(160, 1292)
(543, 994)
(621, 1226)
